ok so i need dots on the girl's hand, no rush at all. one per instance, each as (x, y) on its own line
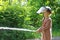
(38, 30)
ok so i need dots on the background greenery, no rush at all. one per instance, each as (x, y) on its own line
(22, 14)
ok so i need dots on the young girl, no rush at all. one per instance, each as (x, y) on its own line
(46, 27)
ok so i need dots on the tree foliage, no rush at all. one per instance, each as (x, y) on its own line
(13, 14)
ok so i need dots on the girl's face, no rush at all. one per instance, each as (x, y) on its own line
(45, 13)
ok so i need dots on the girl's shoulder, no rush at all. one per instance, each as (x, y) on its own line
(49, 19)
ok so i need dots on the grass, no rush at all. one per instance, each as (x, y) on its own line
(56, 33)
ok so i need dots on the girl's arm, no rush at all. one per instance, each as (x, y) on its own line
(47, 25)
(38, 30)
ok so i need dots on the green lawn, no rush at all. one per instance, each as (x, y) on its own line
(55, 33)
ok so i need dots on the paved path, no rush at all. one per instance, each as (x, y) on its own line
(54, 38)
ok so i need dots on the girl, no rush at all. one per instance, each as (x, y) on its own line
(46, 27)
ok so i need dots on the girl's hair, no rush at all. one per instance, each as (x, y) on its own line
(48, 10)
